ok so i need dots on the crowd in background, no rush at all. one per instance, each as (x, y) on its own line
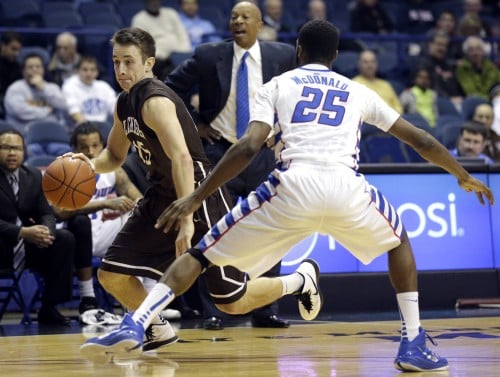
(448, 54)
(434, 62)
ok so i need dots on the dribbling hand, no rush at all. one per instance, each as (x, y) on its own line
(80, 156)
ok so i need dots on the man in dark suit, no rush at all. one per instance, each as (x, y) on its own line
(26, 218)
(212, 72)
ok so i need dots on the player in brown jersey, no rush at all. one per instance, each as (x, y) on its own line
(152, 118)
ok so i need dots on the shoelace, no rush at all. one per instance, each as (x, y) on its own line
(430, 354)
(434, 343)
(305, 299)
(149, 333)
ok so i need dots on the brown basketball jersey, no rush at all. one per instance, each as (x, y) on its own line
(144, 139)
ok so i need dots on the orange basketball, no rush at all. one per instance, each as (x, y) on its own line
(68, 183)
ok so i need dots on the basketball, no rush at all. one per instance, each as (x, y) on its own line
(68, 183)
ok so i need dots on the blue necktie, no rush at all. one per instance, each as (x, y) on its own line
(242, 105)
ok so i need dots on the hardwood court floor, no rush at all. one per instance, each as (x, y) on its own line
(306, 349)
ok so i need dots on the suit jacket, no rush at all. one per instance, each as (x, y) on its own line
(208, 72)
(31, 207)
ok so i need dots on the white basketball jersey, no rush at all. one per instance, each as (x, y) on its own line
(105, 185)
(320, 113)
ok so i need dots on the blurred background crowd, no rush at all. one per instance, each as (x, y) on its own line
(434, 61)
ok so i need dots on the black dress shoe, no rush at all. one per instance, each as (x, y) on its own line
(213, 323)
(271, 321)
(51, 316)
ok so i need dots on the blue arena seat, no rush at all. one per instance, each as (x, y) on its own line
(380, 146)
(4, 125)
(24, 13)
(448, 134)
(446, 107)
(469, 104)
(346, 63)
(419, 121)
(101, 15)
(27, 50)
(46, 137)
(40, 161)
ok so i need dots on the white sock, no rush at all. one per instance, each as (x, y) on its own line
(149, 283)
(86, 288)
(410, 315)
(160, 296)
(291, 283)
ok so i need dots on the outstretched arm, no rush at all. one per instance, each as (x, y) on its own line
(231, 164)
(433, 151)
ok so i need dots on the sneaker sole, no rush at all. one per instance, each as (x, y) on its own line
(159, 345)
(307, 315)
(406, 367)
(100, 354)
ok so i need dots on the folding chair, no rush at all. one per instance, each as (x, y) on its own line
(10, 288)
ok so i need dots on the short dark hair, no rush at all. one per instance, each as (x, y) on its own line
(33, 55)
(87, 59)
(11, 130)
(137, 37)
(85, 128)
(8, 36)
(474, 128)
(319, 39)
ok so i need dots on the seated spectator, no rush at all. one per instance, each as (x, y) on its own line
(483, 114)
(170, 35)
(64, 61)
(420, 98)
(10, 46)
(369, 16)
(316, 10)
(476, 73)
(102, 218)
(471, 142)
(87, 97)
(441, 67)
(472, 23)
(114, 197)
(447, 24)
(28, 225)
(367, 67)
(272, 16)
(196, 26)
(32, 98)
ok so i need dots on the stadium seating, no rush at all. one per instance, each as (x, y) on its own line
(20, 12)
(4, 125)
(469, 104)
(46, 138)
(446, 107)
(27, 50)
(379, 146)
(100, 15)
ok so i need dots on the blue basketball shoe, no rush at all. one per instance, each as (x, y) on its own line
(127, 340)
(414, 356)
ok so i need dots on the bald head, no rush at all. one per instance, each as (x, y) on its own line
(245, 23)
(367, 64)
(66, 44)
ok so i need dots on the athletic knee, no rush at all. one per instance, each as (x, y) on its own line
(110, 280)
